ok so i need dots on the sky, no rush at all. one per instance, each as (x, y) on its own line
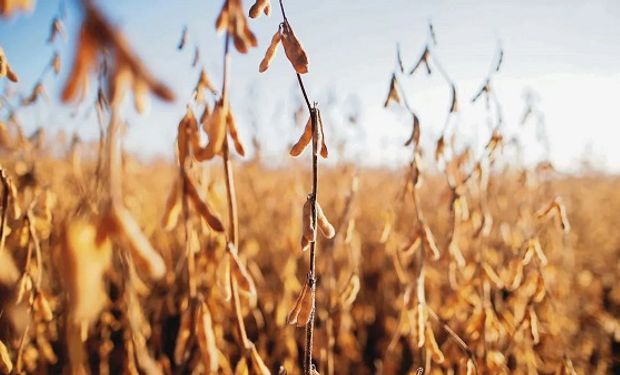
(565, 51)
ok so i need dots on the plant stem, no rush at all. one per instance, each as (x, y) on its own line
(189, 253)
(314, 116)
(312, 269)
(233, 219)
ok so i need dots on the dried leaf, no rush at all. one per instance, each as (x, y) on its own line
(204, 83)
(322, 144)
(201, 206)
(260, 6)
(324, 225)
(215, 126)
(271, 51)
(96, 36)
(232, 19)
(232, 130)
(5, 68)
(293, 49)
(393, 95)
(241, 274)
(303, 308)
(304, 140)
(429, 242)
(415, 132)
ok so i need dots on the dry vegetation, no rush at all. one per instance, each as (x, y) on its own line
(112, 265)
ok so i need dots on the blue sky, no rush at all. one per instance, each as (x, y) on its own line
(567, 51)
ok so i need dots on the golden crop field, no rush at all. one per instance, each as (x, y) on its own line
(460, 262)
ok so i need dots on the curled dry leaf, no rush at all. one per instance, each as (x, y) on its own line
(322, 144)
(260, 6)
(87, 255)
(206, 338)
(241, 274)
(429, 242)
(6, 365)
(147, 259)
(97, 36)
(232, 19)
(215, 126)
(415, 132)
(271, 51)
(308, 233)
(556, 207)
(201, 206)
(293, 49)
(204, 83)
(393, 95)
(324, 225)
(304, 140)
(187, 134)
(5, 68)
(303, 308)
(231, 125)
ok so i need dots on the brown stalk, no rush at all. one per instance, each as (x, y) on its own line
(311, 279)
(233, 219)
